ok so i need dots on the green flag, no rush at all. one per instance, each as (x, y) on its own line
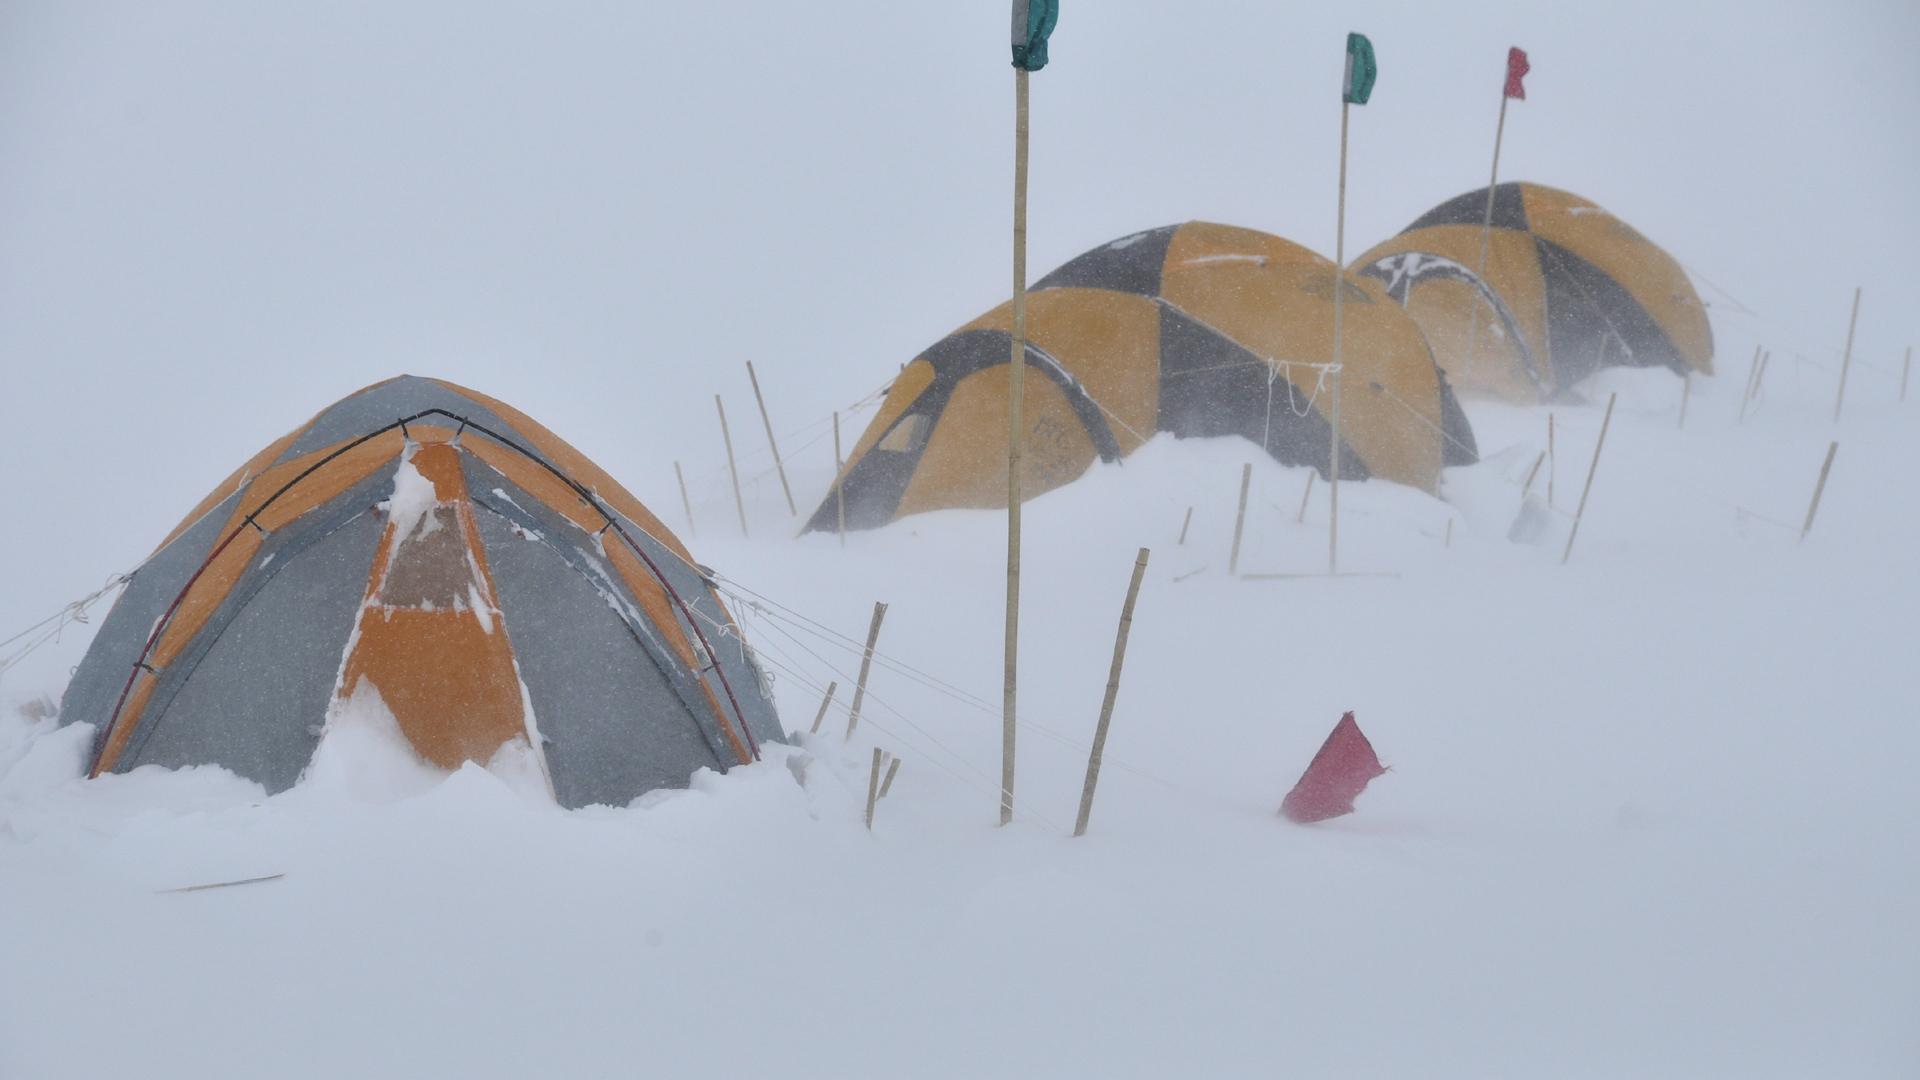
(1357, 87)
(1032, 21)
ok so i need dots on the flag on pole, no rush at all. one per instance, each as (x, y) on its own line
(1357, 86)
(1517, 68)
(1032, 21)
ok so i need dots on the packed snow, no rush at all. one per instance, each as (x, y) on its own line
(1648, 813)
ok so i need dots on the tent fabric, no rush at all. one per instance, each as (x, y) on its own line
(1197, 329)
(431, 552)
(1568, 289)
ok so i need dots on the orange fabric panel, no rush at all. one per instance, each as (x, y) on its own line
(578, 466)
(531, 477)
(205, 595)
(964, 463)
(326, 483)
(654, 602)
(913, 381)
(124, 723)
(1651, 276)
(444, 669)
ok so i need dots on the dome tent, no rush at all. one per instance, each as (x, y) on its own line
(429, 551)
(1196, 329)
(1568, 289)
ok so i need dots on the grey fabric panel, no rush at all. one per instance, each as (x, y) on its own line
(256, 700)
(303, 617)
(613, 725)
(97, 683)
(1470, 208)
(376, 407)
(583, 552)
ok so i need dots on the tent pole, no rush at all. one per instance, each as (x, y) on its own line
(1016, 439)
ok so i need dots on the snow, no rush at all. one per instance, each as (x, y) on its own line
(1648, 813)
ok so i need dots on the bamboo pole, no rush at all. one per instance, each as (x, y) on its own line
(866, 665)
(893, 769)
(1846, 358)
(1333, 485)
(1553, 460)
(686, 504)
(1486, 232)
(1016, 440)
(1239, 520)
(1753, 376)
(739, 503)
(1533, 472)
(822, 714)
(1302, 515)
(1184, 523)
(873, 787)
(1819, 487)
(1113, 692)
(778, 465)
(1448, 542)
(1686, 391)
(839, 489)
(1760, 380)
(1588, 489)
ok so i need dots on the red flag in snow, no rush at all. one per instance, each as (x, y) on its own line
(1336, 776)
(1517, 68)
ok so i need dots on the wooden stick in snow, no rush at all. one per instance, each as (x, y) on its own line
(1239, 520)
(1588, 489)
(1113, 692)
(1016, 445)
(1906, 368)
(893, 769)
(1531, 473)
(726, 436)
(822, 714)
(778, 466)
(1448, 542)
(1553, 460)
(866, 664)
(1187, 521)
(873, 787)
(1818, 487)
(685, 503)
(1302, 515)
(1753, 378)
(1686, 391)
(1846, 358)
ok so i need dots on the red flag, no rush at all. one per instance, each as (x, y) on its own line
(1336, 776)
(1517, 68)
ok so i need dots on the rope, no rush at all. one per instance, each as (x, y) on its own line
(53, 626)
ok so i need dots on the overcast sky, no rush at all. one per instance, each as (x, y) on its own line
(216, 218)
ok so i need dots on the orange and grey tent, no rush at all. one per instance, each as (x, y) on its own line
(1196, 329)
(433, 550)
(1564, 290)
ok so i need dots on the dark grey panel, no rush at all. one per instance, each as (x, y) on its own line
(1509, 210)
(255, 701)
(97, 683)
(279, 553)
(613, 724)
(378, 406)
(1594, 322)
(1131, 264)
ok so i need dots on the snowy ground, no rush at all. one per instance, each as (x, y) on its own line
(1650, 814)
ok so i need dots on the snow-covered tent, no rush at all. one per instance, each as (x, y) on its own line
(424, 552)
(1196, 329)
(1567, 289)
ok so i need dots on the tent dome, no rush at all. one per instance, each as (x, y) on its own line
(430, 553)
(1568, 289)
(1196, 329)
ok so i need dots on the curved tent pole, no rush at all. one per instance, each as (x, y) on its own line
(578, 488)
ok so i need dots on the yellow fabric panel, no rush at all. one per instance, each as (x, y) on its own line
(577, 465)
(1110, 341)
(1513, 272)
(1650, 275)
(203, 597)
(1275, 298)
(965, 460)
(913, 381)
(124, 723)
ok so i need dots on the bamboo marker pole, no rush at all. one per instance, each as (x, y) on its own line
(1339, 290)
(1753, 376)
(1302, 515)
(732, 470)
(1113, 692)
(1016, 440)
(1553, 460)
(1760, 380)
(893, 769)
(866, 665)
(1239, 521)
(822, 714)
(1184, 523)
(778, 465)
(686, 504)
(1333, 486)
(1846, 358)
(839, 490)
(1588, 489)
(1906, 368)
(1448, 542)
(1818, 487)
(1538, 460)
(1486, 233)
(873, 787)
(1686, 391)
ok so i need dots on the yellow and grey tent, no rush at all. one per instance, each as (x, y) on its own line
(433, 554)
(1563, 289)
(1196, 329)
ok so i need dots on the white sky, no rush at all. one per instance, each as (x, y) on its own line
(216, 218)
